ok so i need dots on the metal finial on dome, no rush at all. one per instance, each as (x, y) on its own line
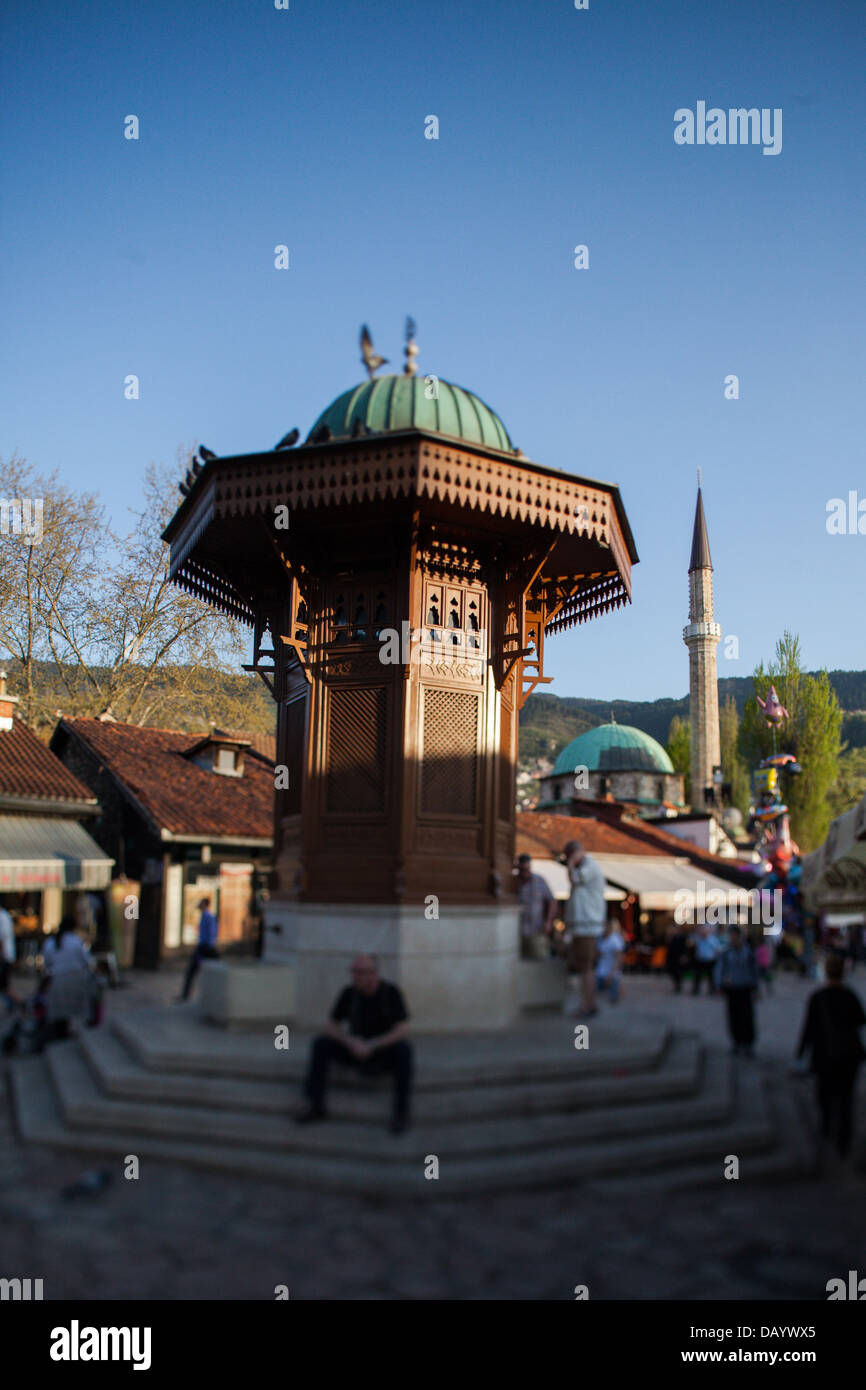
(612, 717)
(699, 477)
(411, 348)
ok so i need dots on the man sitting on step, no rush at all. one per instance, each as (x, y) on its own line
(375, 1041)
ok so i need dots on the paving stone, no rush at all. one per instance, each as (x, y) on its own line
(179, 1233)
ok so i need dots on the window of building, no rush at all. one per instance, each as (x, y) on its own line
(226, 761)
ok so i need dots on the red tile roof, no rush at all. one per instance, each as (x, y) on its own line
(673, 844)
(176, 794)
(28, 769)
(538, 833)
(265, 745)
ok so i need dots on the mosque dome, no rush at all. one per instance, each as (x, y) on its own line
(613, 748)
(401, 402)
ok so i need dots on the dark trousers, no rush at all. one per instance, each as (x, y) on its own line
(836, 1101)
(675, 970)
(397, 1059)
(741, 1016)
(199, 954)
(703, 970)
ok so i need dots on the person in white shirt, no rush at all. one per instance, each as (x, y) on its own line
(585, 916)
(610, 950)
(7, 949)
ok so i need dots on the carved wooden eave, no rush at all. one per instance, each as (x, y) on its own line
(578, 525)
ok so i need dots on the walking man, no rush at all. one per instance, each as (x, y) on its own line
(537, 906)
(736, 974)
(367, 1029)
(208, 928)
(831, 1034)
(585, 916)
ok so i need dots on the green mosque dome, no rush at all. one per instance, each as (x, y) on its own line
(613, 748)
(401, 403)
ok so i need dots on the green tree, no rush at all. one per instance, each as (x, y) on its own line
(734, 769)
(679, 749)
(812, 732)
(850, 783)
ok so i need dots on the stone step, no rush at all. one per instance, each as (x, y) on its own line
(793, 1157)
(749, 1130)
(84, 1106)
(540, 1049)
(120, 1074)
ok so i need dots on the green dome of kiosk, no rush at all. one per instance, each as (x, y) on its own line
(613, 748)
(401, 403)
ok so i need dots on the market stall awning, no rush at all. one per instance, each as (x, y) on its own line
(49, 852)
(834, 875)
(556, 878)
(662, 885)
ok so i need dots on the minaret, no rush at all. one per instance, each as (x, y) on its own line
(701, 637)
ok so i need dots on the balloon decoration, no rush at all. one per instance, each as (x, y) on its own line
(768, 818)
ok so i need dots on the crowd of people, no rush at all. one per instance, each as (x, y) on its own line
(724, 960)
(368, 1025)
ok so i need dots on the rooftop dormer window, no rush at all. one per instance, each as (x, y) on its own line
(219, 752)
(226, 762)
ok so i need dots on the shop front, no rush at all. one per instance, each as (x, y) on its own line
(48, 865)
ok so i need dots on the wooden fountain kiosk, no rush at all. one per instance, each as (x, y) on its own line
(400, 571)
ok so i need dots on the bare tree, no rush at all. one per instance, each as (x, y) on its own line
(92, 623)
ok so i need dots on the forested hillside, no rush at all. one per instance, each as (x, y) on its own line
(547, 722)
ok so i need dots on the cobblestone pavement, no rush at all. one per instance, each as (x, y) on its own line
(177, 1233)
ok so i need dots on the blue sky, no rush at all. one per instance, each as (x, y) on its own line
(306, 127)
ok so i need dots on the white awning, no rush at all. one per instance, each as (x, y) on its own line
(49, 852)
(661, 883)
(555, 876)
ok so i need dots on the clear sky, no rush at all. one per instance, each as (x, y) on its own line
(306, 126)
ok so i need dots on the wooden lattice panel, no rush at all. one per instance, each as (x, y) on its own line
(356, 749)
(449, 769)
